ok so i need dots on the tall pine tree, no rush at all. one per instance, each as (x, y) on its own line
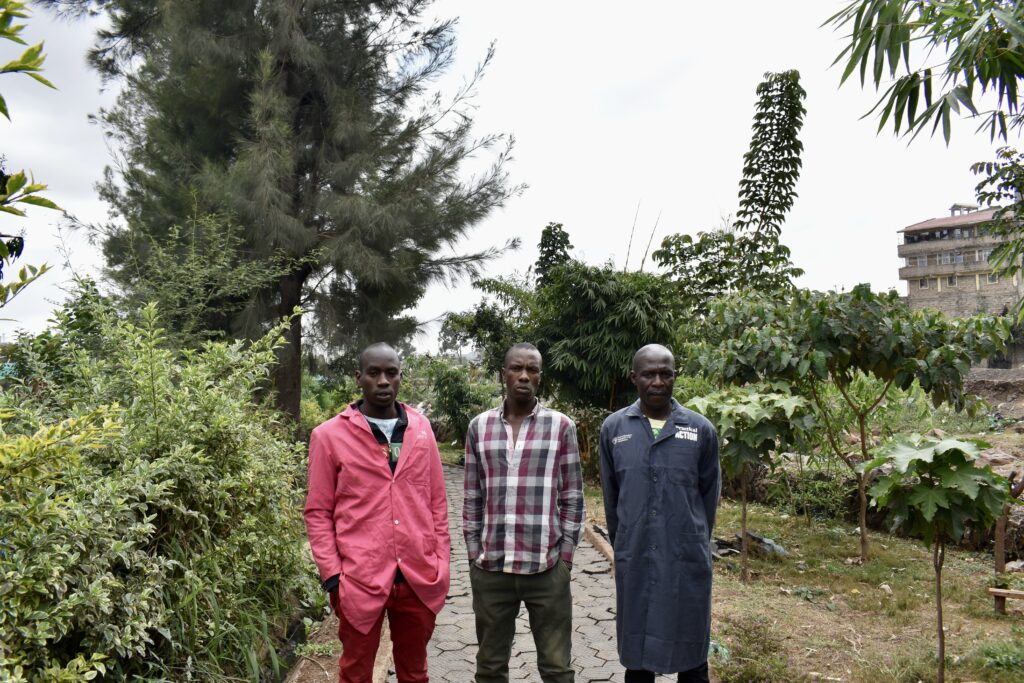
(311, 122)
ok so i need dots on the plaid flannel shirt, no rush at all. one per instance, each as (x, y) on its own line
(523, 504)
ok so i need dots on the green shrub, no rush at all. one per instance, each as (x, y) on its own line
(588, 421)
(457, 399)
(149, 508)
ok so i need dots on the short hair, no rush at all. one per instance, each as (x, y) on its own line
(376, 346)
(651, 349)
(521, 346)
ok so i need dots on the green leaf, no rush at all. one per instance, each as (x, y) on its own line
(38, 201)
(928, 500)
(961, 479)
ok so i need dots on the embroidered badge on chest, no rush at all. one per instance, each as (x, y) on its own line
(687, 433)
(621, 438)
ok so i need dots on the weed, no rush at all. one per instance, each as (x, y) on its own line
(1004, 655)
(327, 648)
(751, 652)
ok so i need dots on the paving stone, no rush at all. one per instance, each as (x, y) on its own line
(452, 650)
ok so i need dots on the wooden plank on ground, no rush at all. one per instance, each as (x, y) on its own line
(1006, 593)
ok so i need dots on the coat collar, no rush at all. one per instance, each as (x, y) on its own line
(352, 412)
(676, 418)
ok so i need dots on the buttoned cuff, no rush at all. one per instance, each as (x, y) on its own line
(473, 550)
(566, 552)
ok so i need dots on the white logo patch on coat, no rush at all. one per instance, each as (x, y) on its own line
(622, 438)
(688, 433)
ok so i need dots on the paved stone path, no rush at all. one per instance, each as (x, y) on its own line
(453, 648)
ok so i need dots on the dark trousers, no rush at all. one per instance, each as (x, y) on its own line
(548, 600)
(697, 675)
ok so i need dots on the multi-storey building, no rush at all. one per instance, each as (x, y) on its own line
(946, 265)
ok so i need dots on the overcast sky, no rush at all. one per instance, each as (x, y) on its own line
(611, 105)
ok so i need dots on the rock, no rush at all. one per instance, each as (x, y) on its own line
(937, 433)
(995, 458)
(1015, 566)
(764, 546)
(721, 548)
(885, 588)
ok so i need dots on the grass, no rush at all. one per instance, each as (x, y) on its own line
(450, 455)
(820, 615)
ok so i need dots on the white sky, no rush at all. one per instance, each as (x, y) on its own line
(611, 104)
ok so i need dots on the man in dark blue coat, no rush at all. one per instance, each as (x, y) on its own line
(661, 480)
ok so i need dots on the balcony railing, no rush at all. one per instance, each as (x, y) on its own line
(944, 269)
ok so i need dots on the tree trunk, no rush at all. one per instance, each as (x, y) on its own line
(1000, 555)
(938, 556)
(744, 542)
(862, 514)
(288, 375)
(862, 485)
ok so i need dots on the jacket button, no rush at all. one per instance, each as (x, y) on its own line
(396, 521)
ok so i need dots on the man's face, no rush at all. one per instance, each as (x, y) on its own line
(380, 377)
(522, 374)
(654, 374)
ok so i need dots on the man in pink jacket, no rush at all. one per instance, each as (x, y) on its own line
(377, 519)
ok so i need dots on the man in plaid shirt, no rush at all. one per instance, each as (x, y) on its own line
(521, 518)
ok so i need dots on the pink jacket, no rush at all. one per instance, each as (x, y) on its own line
(363, 522)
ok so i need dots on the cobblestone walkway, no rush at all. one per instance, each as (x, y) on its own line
(453, 648)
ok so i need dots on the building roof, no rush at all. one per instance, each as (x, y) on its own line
(958, 221)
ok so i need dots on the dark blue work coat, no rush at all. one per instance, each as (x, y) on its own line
(660, 497)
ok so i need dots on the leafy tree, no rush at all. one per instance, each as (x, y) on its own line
(837, 338)
(554, 250)
(311, 124)
(934, 491)
(972, 47)
(511, 316)
(720, 262)
(1001, 186)
(755, 425)
(771, 166)
(593, 319)
(17, 187)
(198, 276)
(748, 255)
(457, 399)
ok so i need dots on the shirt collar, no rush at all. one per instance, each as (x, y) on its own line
(533, 413)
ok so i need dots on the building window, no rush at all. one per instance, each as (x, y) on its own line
(951, 281)
(986, 254)
(922, 260)
(957, 234)
(922, 284)
(958, 257)
(947, 257)
(993, 278)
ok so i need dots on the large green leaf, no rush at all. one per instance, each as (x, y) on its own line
(928, 500)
